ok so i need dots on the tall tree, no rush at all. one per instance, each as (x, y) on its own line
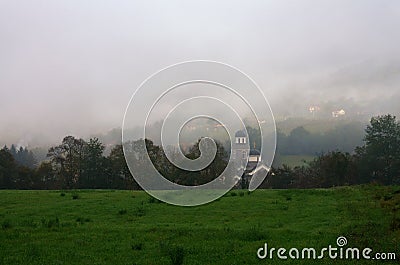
(13, 151)
(211, 172)
(93, 165)
(68, 160)
(379, 158)
(120, 176)
(8, 169)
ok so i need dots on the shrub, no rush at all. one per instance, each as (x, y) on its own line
(62, 194)
(137, 246)
(50, 223)
(75, 196)
(82, 220)
(241, 194)
(233, 194)
(254, 233)
(140, 211)
(6, 224)
(176, 254)
(122, 211)
(395, 223)
(29, 223)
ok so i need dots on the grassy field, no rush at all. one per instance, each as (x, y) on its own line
(129, 227)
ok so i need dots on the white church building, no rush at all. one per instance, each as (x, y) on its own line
(240, 154)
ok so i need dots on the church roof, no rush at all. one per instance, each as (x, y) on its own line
(254, 152)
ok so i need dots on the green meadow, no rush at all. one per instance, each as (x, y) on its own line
(130, 227)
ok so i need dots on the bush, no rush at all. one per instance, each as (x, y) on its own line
(29, 223)
(395, 223)
(254, 233)
(50, 223)
(233, 194)
(176, 254)
(137, 246)
(6, 224)
(140, 211)
(62, 194)
(75, 196)
(82, 220)
(122, 211)
(241, 194)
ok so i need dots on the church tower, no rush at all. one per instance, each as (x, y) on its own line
(245, 157)
(240, 148)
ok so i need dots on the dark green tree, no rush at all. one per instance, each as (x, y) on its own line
(13, 151)
(46, 177)
(379, 158)
(8, 169)
(332, 169)
(205, 175)
(299, 141)
(68, 160)
(93, 175)
(119, 176)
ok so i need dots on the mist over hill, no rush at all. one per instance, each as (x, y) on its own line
(69, 68)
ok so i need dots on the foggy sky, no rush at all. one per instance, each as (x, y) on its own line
(70, 67)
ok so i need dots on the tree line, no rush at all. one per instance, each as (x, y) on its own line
(74, 163)
(377, 160)
(79, 164)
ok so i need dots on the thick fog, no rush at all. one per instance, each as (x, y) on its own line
(70, 67)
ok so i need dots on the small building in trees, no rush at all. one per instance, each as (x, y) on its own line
(338, 113)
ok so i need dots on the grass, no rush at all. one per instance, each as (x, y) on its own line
(127, 227)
